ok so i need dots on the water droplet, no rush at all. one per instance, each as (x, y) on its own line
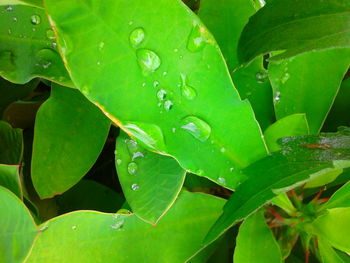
(14, 19)
(261, 76)
(150, 135)
(8, 8)
(173, 130)
(165, 73)
(222, 180)
(197, 39)
(132, 168)
(137, 155)
(277, 97)
(144, 84)
(101, 45)
(54, 44)
(50, 34)
(118, 225)
(137, 36)
(232, 169)
(130, 23)
(223, 150)
(135, 187)
(168, 104)
(35, 19)
(74, 227)
(98, 63)
(33, 29)
(119, 161)
(148, 60)
(176, 50)
(46, 65)
(187, 91)
(43, 228)
(9, 31)
(285, 77)
(161, 94)
(132, 146)
(155, 84)
(196, 127)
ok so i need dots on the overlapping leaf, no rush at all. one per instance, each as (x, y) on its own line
(9, 178)
(157, 86)
(11, 144)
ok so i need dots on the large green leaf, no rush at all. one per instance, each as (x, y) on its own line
(17, 230)
(300, 160)
(9, 178)
(11, 144)
(308, 84)
(226, 20)
(292, 125)
(296, 26)
(96, 237)
(28, 47)
(341, 198)
(333, 226)
(255, 240)
(156, 86)
(328, 254)
(69, 135)
(150, 182)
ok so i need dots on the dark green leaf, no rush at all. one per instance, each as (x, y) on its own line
(296, 26)
(28, 47)
(10, 144)
(300, 160)
(150, 182)
(308, 84)
(69, 135)
(9, 178)
(158, 88)
(96, 237)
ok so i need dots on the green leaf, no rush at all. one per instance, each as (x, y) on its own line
(341, 198)
(292, 125)
(308, 84)
(28, 47)
(158, 87)
(333, 226)
(328, 254)
(226, 20)
(35, 3)
(12, 92)
(255, 240)
(11, 144)
(99, 237)
(283, 202)
(89, 195)
(324, 179)
(296, 27)
(18, 229)
(69, 135)
(297, 163)
(9, 178)
(150, 182)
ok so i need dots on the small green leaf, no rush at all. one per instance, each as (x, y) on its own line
(28, 48)
(9, 178)
(323, 179)
(292, 125)
(308, 84)
(255, 240)
(333, 226)
(328, 254)
(296, 27)
(69, 135)
(150, 182)
(283, 202)
(341, 198)
(11, 144)
(18, 230)
(159, 92)
(91, 237)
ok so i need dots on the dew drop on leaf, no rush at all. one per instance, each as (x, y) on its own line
(74, 227)
(187, 91)
(132, 168)
(119, 161)
(196, 127)
(14, 19)
(132, 146)
(222, 180)
(134, 187)
(9, 8)
(261, 76)
(35, 19)
(197, 38)
(161, 94)
(50, 34)
(137, 155)
(168, 104)
(285, 77)
(148, 60)
(136, 37)
(277, 98)
(118, 225)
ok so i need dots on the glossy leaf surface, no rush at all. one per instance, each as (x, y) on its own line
(308, 84)
(10, 144)
(255, 241)
(98, 237)
(328, 254)
(27, 46)
(69, 135)
(297, 163)
(17, 230)
(333, 226)
(295, 27)
(9, 178)
(150, 182)
(158, 87)
(35, 3)
(341, 198)
(292, 125)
